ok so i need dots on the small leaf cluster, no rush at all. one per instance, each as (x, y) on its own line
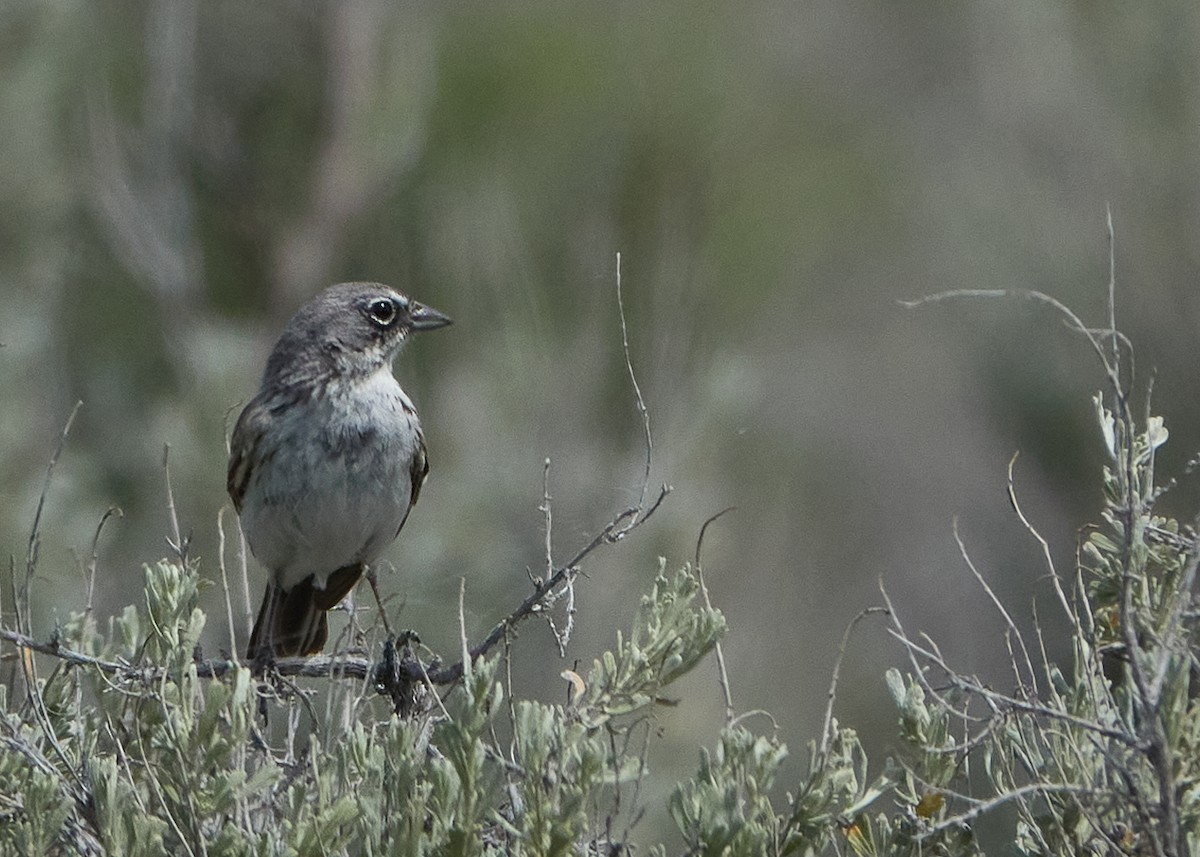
(727, 808)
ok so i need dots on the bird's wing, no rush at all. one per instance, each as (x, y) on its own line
(243, 450)
(418, 473)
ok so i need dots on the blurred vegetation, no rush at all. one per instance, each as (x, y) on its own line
(177, 178)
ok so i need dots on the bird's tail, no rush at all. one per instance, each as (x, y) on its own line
(291, 622)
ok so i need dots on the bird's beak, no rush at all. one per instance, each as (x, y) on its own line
(422, 317)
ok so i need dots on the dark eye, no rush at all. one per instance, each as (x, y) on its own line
(382, 311)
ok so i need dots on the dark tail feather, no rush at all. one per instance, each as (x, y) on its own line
(289, 623)
(292, 622)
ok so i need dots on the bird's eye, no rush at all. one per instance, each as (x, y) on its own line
(382, 311)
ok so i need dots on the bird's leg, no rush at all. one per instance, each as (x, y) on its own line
(374, 581)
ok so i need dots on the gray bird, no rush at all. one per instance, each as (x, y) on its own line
(327, 459)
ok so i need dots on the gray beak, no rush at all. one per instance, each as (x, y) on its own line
(422, 317)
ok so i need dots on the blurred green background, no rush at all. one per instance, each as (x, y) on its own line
(177, 178)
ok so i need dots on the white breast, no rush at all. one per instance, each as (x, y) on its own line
(339, 483)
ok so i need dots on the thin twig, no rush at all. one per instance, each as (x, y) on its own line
(1112, 287)
(548, 518)
(637, 392)
(827, 728)
(462, 632)
(561, 637)
(175, 542)
(244, 574)
(233, 646)
(1073, 321)
(94, 555)
(1029, 528)
(612, 533)
(983, 807)
(999, 605)
(31, 555)
(722, 672)
(373, 582)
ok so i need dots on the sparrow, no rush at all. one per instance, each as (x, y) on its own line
(327, 460)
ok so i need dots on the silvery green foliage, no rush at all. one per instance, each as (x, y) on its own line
(727, 809)
(156, 759)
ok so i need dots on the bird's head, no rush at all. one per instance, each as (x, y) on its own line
(350, 329)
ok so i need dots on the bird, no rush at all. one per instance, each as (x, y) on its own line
(328, 458)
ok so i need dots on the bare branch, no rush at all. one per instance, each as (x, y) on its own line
(722, 673)
(462, 631)
(1072, 320)
(233, 646)
(94, 554)
(999, 605)
(35, 536)
(637, 392)
(1112, 288)
(1012, 499)
(176, 542)
(827, 728)
(980, 808)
